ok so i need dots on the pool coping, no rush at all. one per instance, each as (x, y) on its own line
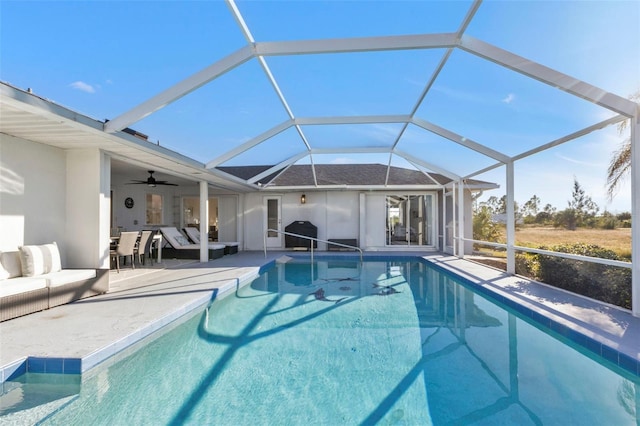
(79, 366)
(561, 326)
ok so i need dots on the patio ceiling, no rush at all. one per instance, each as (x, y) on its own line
(313, 97)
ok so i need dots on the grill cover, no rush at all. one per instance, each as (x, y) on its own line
(301, 227)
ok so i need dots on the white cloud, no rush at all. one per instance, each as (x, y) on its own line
(342, 160)
(81, 85)
(581, 162)
(510, 97)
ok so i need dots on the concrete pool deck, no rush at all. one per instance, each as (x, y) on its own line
(80, 335)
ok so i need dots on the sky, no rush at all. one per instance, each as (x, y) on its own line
(103, 58)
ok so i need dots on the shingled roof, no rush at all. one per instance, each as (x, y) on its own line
(345, 175)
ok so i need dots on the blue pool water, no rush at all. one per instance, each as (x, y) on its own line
(340, 342)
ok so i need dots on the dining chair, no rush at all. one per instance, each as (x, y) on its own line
(142, 248)
(126, 247)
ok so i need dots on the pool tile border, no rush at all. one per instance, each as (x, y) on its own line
(57, 365)
(590, 344)
(81, 365)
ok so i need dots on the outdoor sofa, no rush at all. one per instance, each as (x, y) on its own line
(179, 246)
(32, 280)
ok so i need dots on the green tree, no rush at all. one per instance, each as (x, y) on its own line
(620, 163)
(581, 208)
(484, 228)
(582, 203)
(529, 210)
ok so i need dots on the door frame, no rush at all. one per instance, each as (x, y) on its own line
(272, 241)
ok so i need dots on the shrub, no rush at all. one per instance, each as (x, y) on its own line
(527, 265)
(624, 216)
(602, 282)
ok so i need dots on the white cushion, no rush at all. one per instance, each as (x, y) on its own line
(21, 285)
(193, 233)
(214, 246)
(67, 276)
(182, 240)
(4, 274)
(52, 262)
(11, 262)
(174, 237)
(38, 260)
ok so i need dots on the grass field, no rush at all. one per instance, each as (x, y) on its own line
(618, 240)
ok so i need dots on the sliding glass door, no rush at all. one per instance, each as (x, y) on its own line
(410, 220)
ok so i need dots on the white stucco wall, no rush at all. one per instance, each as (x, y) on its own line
(87, 209)
(134, 219)
(49, 194)
(32, 194)
(228, 218)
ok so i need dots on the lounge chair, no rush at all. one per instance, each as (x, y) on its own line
(194, 235)
(179, 247)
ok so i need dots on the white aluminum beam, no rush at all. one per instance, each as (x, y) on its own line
(179, 90)
(572, 136)
(366, 119)
(463, 26)
(277, 167)
(265, 67)
(486, 169)
(635, 212)
(426, 165)
(356, 44)
(204, 222)
(511, 220)
(351, 150)
(461, 140)
(548, 76)
(461, 235)
(366, 188)
(250, 144)
(427, 174)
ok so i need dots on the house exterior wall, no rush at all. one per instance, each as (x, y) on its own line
(87, 208)
(49, 194)
(134, 219)
(228, 218)
(337, 214)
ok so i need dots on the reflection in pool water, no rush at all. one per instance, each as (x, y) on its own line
(339, 342)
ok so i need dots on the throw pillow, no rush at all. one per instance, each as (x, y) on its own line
(4, 274)
(51, 255)
(32, 259)
(11, 263)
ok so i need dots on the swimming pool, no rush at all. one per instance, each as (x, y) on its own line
(340, 342)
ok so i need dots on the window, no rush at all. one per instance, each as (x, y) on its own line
(191, 212)
(410, 220)
(154, 209)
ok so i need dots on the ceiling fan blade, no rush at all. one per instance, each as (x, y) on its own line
(151, 181)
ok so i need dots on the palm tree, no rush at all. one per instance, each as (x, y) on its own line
(621, 161)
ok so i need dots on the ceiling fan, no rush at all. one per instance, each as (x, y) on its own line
(151, 181)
